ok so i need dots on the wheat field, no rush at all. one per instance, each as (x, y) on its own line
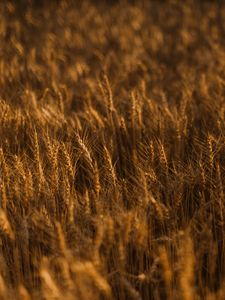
(112, 150)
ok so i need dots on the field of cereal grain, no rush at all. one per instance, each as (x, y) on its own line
(112, 150)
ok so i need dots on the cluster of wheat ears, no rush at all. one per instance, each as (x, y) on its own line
(112, 150)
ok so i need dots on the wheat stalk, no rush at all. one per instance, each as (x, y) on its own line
(5, 225)
(85, 150)
(68, 161)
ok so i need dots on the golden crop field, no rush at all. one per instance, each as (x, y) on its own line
(112, 150)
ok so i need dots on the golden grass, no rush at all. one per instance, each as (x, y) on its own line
(112, 150)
